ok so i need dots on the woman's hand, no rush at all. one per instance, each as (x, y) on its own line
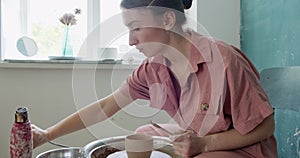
(39, 136)
(189, 144)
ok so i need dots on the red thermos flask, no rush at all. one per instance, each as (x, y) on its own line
(20, 136)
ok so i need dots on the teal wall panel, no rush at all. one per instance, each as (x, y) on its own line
(270, 32)
(270, 36)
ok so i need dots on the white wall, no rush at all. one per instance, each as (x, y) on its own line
(221, 19)
(50, 96)
(48, 92)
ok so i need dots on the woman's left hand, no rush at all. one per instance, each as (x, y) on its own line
(188, 144)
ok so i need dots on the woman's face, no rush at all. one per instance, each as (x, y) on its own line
(146, 31)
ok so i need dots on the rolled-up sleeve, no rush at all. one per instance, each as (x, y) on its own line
(136, 86)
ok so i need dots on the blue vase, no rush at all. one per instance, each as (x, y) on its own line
(67, 49)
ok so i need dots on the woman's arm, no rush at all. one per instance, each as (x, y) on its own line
(190, 145)
(89, 115)
(232, 139)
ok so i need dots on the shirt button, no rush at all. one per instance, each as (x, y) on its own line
(204, 106)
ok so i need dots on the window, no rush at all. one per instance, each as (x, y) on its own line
(39, 20)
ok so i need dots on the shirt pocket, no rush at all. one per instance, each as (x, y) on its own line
(212, 119)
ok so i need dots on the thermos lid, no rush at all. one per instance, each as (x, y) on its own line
(21, 115)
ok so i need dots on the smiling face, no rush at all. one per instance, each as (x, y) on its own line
(147, 31)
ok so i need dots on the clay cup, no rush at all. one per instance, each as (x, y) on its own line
(138, 146)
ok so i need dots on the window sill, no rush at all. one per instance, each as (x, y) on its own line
(64, 64)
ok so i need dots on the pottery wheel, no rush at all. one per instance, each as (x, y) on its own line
(154, 154)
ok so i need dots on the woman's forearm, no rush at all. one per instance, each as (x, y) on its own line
(232, 139)
(87, 116)
(66, 126)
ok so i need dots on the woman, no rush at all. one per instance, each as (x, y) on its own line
(209, 88)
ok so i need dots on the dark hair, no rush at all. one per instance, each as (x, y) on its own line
(178, 5)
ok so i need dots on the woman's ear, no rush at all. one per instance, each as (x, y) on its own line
(169, 20)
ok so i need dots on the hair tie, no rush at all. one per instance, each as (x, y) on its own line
(187, 4)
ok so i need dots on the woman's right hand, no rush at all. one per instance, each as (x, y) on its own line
(39, 136)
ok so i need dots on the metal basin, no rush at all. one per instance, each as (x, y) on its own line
(72, 152)
(104, 147)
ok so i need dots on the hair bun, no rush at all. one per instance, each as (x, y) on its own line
(187, 4)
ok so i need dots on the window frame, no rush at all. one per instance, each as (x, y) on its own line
(93, 19)
(1, 39)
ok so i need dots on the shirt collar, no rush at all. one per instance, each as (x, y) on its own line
(201, 49)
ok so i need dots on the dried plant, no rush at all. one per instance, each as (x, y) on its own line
(69, 18)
